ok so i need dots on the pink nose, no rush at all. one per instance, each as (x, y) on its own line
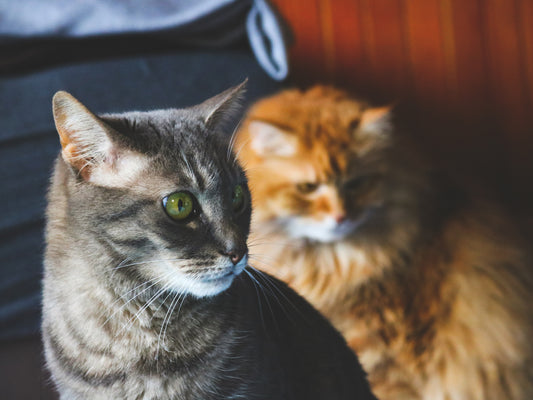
(235, 255)
(340, 218)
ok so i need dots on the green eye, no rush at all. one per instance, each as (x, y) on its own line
(179, 205)
(237, 198)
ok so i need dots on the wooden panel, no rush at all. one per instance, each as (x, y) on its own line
(426, 50)
(350, 66)
(469, 61)
(386, 47)
(525, 10)
(307, 53)
(506, 79)
(469, 58)
(520, 138)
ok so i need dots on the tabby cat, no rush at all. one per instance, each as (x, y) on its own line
(144, 291)
(431, 286)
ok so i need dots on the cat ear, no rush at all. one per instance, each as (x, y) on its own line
(86, 143)
(223, 107)
(269, 140)
(376, 120)
(82, 134)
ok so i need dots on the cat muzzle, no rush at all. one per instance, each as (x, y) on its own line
(235, 255)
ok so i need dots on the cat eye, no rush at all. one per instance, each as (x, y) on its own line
(237, 198)
(179, 206)
(354, 124)
(307, 187)
(360, 183)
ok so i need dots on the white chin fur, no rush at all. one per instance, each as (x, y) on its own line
(326, 230)
(202, 286)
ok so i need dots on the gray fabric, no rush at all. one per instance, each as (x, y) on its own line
(82, 18)
(262, 25)
(190, 22)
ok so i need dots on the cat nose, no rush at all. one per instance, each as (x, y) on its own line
(340, 218)
(235, 255)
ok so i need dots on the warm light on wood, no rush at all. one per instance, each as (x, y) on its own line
(470, 61)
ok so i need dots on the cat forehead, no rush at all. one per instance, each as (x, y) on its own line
(180, 171)
(166, 122)
(161, 132)
(175, 150)
(308, 167)
(314, 130)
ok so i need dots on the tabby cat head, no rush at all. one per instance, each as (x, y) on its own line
(317, 162)
(160, 190)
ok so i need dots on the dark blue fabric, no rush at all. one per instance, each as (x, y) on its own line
(29, 144)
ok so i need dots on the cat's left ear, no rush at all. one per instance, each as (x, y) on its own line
(222, 108)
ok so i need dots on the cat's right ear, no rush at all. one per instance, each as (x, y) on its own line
(268, 140)
(221, 108)
(87, 146)
(376, 120)
(82, 134)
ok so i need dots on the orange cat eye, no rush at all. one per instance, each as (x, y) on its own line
(307, 187)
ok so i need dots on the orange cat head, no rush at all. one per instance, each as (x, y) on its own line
(313, 161)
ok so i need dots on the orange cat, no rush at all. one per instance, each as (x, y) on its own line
(429, 285)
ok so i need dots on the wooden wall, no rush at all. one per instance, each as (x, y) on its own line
(465, 62)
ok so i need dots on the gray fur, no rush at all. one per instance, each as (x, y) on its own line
(113, 328)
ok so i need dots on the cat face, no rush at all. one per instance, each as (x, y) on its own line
(311, 161)
(161, 190)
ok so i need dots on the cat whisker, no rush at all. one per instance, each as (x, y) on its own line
(267, 293)
(238, 152)
(124, 261)
(260, 242)
(233, 138)
(256, 285)
(184, 296)
(150, 262)
(260, 258)
(128, 324)
(127, 259)
(255, 168)
(273, 264)
(170, 293)
(190, 170)
(166, 321)
(130, 321)
(271, 283)
(146, 305)
(154, 282)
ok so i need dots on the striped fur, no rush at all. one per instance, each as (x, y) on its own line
(138, 306)
(429, 285)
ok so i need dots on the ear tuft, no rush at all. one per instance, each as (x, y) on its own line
(269, 140)
(82, 134)
(223, 107)
(376, 120)
(87, 145)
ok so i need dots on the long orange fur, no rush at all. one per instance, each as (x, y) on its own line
(433, 290)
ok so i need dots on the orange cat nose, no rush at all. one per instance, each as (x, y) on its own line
(235, 255)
